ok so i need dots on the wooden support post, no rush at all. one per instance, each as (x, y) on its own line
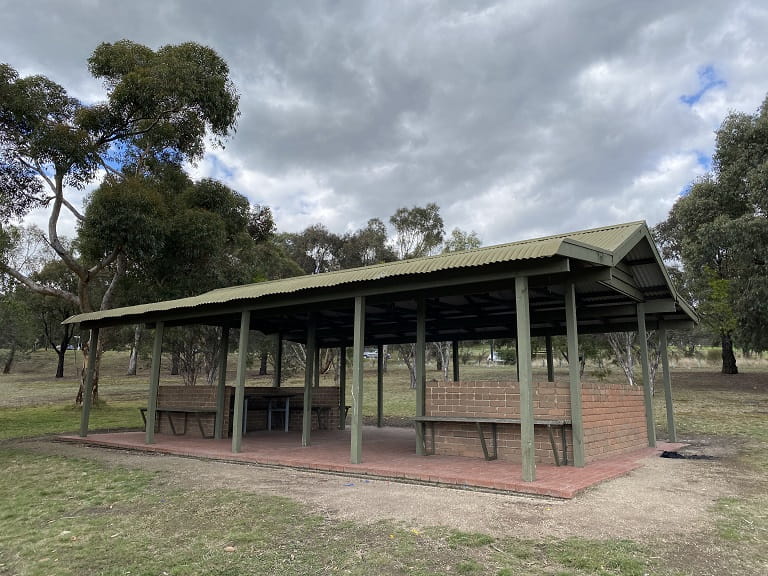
(85, 415)
(421, 370)
(278, 351)
(550, 358)
(154, 383)
(664, 351)
(309, 379)
(358, 365)
(342, 387)
(455, 358)
(242, 365)
(574, 375)
(525, 376)
(218, 429)
(380, 386)
(642, 336)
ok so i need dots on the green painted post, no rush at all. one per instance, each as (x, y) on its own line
(420, 369)
(154, 382)
(525, 376)
(85, 415)
(455, 359)
(242, 366)
(278, 347)
(663, 349)
(358, 365)
(342, 387)
(380, 386)
(222, 383)
(550, 358)
(574, 375)
(306, 423)
(642, 336)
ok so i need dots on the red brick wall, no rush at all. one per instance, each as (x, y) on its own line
(187, 397)
(614, 418)
(205, 397)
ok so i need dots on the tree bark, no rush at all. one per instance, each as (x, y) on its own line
(175, 361)
(9, 360)
(729, 358)
(86, 348)
(61, 352)
(263, 358)
(133, 360)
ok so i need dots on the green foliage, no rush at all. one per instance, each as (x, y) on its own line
(418, 231)
(18, 323)
(460, 240)
(126, 214)
(164, 101)
(366, 246)
(317, 250)
(159, 109)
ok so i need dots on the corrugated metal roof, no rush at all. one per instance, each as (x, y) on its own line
(605, 240)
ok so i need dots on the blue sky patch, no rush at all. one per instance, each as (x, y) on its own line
(220, 170)
(708, 80)
(703, 160)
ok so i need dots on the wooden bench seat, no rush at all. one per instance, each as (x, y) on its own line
(169, 411)
(478, 421)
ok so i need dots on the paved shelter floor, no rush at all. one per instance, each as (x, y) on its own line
(388, 453)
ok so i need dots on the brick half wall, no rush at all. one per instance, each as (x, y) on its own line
(614, 419)
(205, 397)
(493, 399)
(613, 415)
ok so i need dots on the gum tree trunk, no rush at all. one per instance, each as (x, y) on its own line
(133, 360)
(729, 358)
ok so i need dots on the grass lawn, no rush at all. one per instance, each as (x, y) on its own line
(62, 516)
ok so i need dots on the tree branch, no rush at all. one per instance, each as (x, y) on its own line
(39, 169)
(53, 234)
(106, 301)
(39, 288)
(106, 261)
(72, 209)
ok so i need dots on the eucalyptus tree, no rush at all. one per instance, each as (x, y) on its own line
(159, 107)
(718, 232)
(366, 246)
(315, 250)
(419, 231)
(459, 240)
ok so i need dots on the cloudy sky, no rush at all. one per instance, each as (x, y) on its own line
(519, 118)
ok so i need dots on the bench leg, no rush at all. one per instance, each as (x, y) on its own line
(173, 427)
(565, 445)
(552, 443)
(202, 430)
(488, 456)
